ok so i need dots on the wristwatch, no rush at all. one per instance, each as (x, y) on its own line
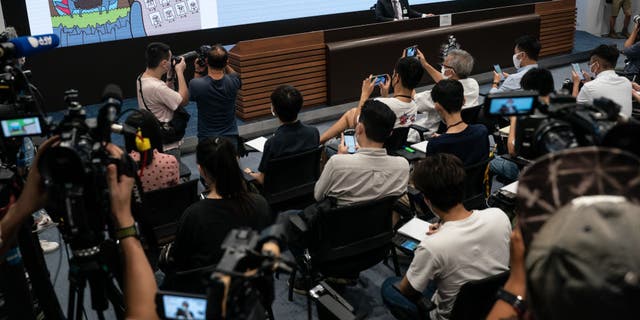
(131, 231)
(517, 302)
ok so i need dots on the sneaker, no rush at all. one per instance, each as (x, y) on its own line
(44, 223)
(49, 246)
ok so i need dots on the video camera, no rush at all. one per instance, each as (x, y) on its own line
(250, 292)
(562, 124)
(74, 170)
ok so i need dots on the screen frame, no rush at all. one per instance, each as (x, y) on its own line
(513, 94)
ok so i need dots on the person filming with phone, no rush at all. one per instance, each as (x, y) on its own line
(525, 57)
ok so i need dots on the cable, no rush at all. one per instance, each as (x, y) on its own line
(55, 279)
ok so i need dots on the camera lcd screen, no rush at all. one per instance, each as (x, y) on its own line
(511, 106)
(410, 245)
(182, 307)
(21, 127)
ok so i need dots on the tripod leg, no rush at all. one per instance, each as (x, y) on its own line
(72, 299)
(80, 301)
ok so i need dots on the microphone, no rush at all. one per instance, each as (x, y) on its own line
(108, 113)
(28, 46)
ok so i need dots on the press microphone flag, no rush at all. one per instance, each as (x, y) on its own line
(28, 45)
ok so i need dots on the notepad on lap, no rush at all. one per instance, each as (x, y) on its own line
(420, 146)
(257, 143)
(415, 228)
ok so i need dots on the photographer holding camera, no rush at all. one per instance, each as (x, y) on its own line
(158, 96)
(632, 50)
(140, 286)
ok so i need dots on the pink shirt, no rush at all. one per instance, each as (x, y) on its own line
(163, 172)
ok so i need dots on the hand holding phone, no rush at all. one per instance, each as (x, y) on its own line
(411, 51)
(380, 79)
(350, 141)
(578, 70)
(498, 70)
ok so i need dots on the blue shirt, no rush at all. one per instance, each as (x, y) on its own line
(470, 145)
(216, 100)
(512, 82)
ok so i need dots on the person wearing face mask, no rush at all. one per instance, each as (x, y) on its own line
(215, 93)
(463, 246)
(525, 57)
(607, 84)
(457, 65)
(405, 79)
(293, 136)
(157, 95)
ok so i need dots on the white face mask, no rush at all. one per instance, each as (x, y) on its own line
(517, 62)
(273, 112)
(443, 70)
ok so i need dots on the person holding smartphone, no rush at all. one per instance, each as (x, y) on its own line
(466, 245)
(525, 57)
(457, 65)
(405, 78)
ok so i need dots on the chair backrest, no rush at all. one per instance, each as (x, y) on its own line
(476, 298)
(292, 176)
(342, 235)
(164, 207)
(397, 139)
(475, 191)
(470, 115)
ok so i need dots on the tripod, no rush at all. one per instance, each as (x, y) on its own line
(85, 267)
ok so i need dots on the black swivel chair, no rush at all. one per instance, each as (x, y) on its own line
(344, 241)
(476, 298)
(289, 181)
(475, 188)
(471, 115)
(162, 211)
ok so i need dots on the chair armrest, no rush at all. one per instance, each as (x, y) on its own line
(297, 222)
(421, 130)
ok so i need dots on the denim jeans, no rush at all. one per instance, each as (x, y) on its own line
(504, 169)
(400, 306)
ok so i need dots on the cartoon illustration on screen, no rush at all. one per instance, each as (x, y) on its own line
(79, 22)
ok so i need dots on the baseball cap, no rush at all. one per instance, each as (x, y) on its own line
(584, 263)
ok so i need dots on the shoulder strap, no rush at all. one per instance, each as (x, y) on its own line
(141, 95)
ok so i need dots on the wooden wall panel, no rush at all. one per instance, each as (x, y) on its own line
(264, 64)
(557, 26)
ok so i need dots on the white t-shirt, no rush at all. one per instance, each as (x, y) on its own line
(405, 111)
(611, 86)
(426, 106)
(160, 99)
(470, 249)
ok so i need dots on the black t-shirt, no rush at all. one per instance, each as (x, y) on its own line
(470, 145)
(289, 139)
(204, 226)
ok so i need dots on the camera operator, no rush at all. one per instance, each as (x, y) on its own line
(632, 50)
(216, 93)
(158, 96)
(607, 83)
(140, 285)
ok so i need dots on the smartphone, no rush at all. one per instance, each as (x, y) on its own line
(350, 141)
(410, 245)
(578, 70)
(498, 70)
(179, 305)
(380, 79)
(21, 127)
(411, 51)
